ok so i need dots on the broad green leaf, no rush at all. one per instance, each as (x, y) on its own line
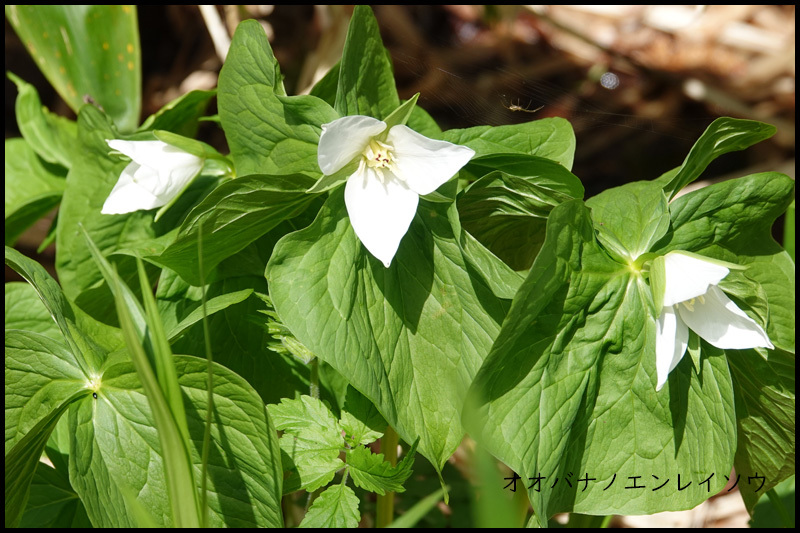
(732, 221)
(24, 310)
(86, 52)
(88, 349)
(723, 135)
(52, 502)
(366, 79)
(40, 376)
(506, 208)
(336, 507)
(151, 357)
(400, 115)
(235, 214)
(218, 303)
(408, 337)
(421, 122)
(21, 460)
(503, 281)
(630, 219)
(32, 187)
(180, 115)
(362, 423)
(765, 419)
(115, 447)
(325, 88)
(52, 137)
(238, 338)
(551, 138)
(268, 133)
(788, 231)
(371, 472)
(89, 183)
(581, 399)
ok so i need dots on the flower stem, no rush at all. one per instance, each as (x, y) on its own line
(385, 514)
(776, 502)
(313, 385)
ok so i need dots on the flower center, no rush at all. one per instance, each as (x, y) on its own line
(689, 304)
(378, 155)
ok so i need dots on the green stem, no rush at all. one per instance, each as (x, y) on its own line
(210, 402)
(588, 521)
(313, 385)
(788, 231)
(389, 443)
(777, 503)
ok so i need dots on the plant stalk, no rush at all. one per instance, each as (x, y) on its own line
(389, 443)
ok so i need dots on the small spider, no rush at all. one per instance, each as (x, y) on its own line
(511, 106)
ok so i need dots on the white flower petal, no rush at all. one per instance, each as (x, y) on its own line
(344, 139)
(687, 277)
(720, 322)
(423, 163)
(149, 153)
(128, 196)
(157, 173)
(672, 339)
(380, 213)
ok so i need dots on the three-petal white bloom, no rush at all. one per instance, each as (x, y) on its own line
(157, 173)
(692, 300)
(382, 194)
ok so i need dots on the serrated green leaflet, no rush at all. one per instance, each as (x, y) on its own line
(371, 472)
(312, 459)
(312, 442)
(305, 413)
(32, 187)
(408, 337)
(86, 51)
(580, 338)
(337, 507)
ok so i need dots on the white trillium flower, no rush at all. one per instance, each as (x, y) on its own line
(692, 300)
(382, 194)
(156, 175)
